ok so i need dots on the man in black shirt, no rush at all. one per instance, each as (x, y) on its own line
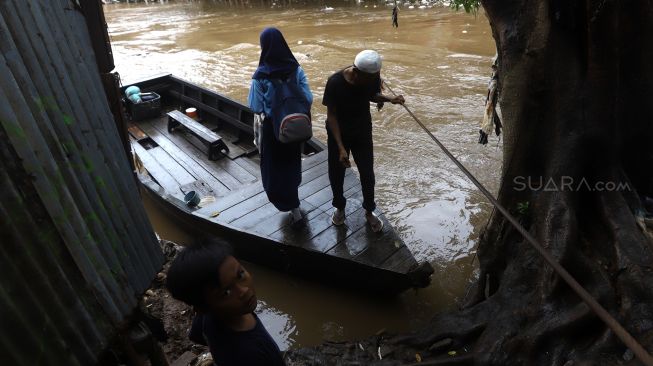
(347, 96)
(209, 278)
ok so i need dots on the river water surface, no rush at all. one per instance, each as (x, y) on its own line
(437, 58)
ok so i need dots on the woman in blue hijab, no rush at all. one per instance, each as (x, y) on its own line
(281, 164)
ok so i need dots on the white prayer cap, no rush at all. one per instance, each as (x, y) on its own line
(368, 61)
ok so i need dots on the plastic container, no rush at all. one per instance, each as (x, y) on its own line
(135, 98)
(149, 107)
(148, 96)
(192, 199)
(132, 90)
(192, 113)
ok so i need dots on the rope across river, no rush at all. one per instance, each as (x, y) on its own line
(600, 311)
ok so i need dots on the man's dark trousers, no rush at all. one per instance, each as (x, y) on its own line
(360, 145)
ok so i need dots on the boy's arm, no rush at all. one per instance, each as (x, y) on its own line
(334, 128)
(380, 98)
(329, 100)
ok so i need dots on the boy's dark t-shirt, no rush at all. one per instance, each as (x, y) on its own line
(253, 347)
(352, 103)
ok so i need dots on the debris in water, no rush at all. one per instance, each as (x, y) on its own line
(205, 359)
(628, 355)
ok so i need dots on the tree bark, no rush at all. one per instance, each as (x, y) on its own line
(576, 82)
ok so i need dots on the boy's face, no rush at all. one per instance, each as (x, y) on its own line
(236, 295)
(364, 78)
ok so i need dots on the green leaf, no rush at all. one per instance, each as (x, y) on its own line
(522, 207)
(470, 6)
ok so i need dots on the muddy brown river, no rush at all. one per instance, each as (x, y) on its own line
(437, 58)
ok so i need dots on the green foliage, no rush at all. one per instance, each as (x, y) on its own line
(522, 208)
(470, 6)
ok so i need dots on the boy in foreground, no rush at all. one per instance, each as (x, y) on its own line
(208, 277)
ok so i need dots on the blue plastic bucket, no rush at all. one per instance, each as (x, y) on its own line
(192, 199)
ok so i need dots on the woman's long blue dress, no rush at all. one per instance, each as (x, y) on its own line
(281, 165)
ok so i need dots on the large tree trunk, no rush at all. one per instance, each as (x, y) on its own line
(576, 83)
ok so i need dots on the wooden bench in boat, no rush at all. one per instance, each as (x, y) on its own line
(216, 147)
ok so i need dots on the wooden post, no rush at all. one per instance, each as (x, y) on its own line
(97, 30)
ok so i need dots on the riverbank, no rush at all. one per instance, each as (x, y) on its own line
(381, 348)
(176, 318)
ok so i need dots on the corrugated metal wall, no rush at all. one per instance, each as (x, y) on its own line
(76, 247)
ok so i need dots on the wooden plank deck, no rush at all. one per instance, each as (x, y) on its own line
(226, 171)
(241, 204)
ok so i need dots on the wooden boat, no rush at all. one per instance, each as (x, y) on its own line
(234, 205)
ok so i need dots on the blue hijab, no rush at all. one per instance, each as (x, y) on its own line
(276, 60)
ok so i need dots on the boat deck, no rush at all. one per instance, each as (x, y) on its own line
(235, 206)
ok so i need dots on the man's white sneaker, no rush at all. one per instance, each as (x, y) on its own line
(375, 223)
(338, 217)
